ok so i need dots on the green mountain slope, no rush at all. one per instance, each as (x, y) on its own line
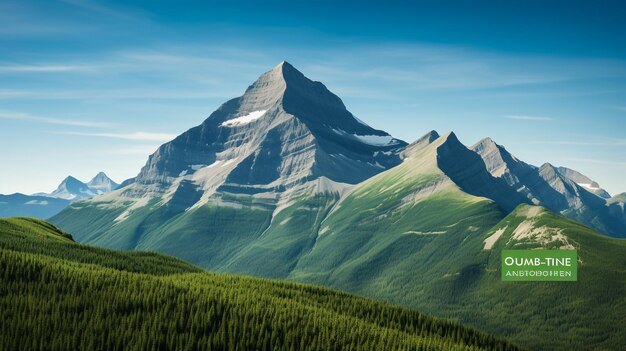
(59, 295)
(412, 235)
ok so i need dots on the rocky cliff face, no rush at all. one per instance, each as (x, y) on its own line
(279, 138)
(286, 140)
(558, 189)
(285, 130)
(584, 181)
(466, 168)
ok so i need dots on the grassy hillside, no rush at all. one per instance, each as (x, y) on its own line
(587, 314)
(59, 295)
(411, 237)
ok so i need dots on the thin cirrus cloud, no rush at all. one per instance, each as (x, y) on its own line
(117, 94)
(135, 150)
(44, 68)
(597, 161)
(528, 118)
(21, 116)
(607, 142)
(135, 136)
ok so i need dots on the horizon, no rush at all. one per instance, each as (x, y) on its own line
(94, 98)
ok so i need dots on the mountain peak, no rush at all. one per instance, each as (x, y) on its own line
(467, 169)
(548, 167)
(284, 131)
(425, 140)
(101, 183)
(450, 137)
(72, 188)
(584, 181)
(485, 143)
(284, 64)
(70, 180)
(101, 176)
(430, 136)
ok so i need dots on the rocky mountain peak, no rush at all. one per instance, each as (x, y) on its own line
(425, 140)
(101, 183)
(284, 131)
(584, 181)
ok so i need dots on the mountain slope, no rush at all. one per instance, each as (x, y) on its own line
(277, 183)
(560, 189)
(220, 184)
(584, 181)
(410, 235)
(64, 295)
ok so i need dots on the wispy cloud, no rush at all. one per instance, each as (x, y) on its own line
(608, 142)
(97, 7)
(135, 150)
(528, 118)
(597, 161)
(119, 94)
(48, 120)
(44, 68)
(136, 136)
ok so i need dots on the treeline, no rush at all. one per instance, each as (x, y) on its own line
(54, 298)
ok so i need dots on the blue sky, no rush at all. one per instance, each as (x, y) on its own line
(91, 85)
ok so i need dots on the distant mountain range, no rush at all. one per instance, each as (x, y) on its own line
(46, 205)
(285, 182)
(73, 189)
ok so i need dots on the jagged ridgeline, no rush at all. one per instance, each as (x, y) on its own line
(284, 182)
(56, 294)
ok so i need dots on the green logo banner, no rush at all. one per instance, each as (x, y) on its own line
(539, 265)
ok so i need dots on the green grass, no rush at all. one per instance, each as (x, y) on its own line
(293, 232)
(59, 295)
(429, 255)
(589, 313)
(408, 236)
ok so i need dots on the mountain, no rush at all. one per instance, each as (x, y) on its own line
(584, 181)
(33, 206)
(102, 184)
(44, 206)
(73, 189)
(617, 206)
(411, 235)
(286, 139)
(285, 130)
(64, 295)
(283, 182)
(560, 189)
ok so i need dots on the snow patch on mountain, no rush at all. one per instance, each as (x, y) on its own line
(245, 119)
(376, 140)
(588, 186)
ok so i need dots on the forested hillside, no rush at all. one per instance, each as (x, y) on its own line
(59, 295)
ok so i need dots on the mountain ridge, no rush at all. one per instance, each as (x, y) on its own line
(557, 188)
(282, 182)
